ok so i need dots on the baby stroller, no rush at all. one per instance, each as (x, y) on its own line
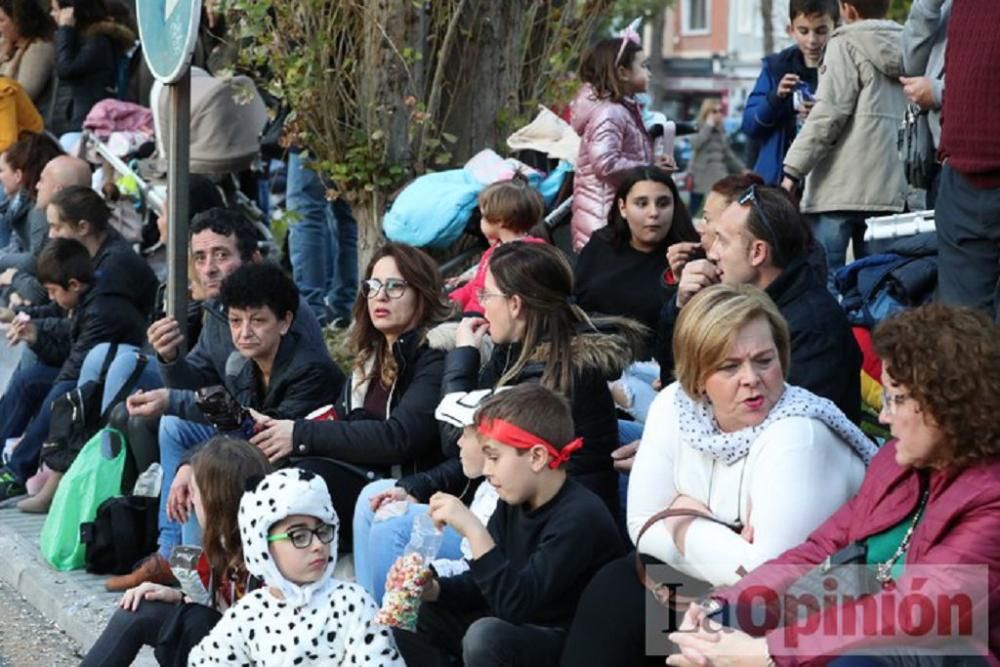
(227, 118)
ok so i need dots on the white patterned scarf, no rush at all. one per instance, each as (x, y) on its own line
(700, 430)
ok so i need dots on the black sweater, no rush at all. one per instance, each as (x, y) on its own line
(622, 282)
(542, 561)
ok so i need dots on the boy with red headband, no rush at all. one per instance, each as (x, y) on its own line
(546, 539)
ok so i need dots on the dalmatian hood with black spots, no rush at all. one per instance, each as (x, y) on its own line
(328, 622)
(282, 494)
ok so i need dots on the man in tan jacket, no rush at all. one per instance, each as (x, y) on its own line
(847, 147)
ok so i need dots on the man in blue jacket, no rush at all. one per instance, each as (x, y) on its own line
(771, 116)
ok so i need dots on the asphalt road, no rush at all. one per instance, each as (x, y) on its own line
(27, 639)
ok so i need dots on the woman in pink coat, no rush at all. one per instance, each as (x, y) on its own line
(607, 116)
(926, 523)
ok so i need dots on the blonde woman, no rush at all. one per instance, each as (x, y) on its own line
(713, 158)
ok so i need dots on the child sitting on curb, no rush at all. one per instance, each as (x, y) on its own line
(543, 543)
(302, 614)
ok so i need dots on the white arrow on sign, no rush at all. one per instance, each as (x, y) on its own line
(171, 8)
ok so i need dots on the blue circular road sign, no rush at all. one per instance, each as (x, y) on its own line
(168, 30)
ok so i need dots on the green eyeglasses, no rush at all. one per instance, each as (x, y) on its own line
(302, 537)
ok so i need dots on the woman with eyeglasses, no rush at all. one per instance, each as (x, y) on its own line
(713, 157)
(538, 334)
(925, 525)
(222, 469)
(384, 422)
(755, 462)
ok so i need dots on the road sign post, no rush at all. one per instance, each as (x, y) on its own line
(168, 30)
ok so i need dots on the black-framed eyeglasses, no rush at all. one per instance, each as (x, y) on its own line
(301, 537)
(750, 197)
(394, 287)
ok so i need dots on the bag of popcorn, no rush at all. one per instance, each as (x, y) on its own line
(408, 576)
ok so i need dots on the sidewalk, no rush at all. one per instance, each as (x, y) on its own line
(76, 601)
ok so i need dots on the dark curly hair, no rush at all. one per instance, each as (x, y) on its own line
(260, 285)
(948, 358)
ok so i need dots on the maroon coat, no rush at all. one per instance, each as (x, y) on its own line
(960, 526)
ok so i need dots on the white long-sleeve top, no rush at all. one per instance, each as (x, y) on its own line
(796, 474)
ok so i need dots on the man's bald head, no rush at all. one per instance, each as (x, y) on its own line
(59, 173)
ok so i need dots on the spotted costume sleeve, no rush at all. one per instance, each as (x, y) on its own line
(226, 644)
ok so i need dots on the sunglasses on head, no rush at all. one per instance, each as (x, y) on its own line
(750, 197)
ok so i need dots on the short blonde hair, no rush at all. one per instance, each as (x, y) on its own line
(709, 324)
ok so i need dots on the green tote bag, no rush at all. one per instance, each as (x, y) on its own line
(95, 476)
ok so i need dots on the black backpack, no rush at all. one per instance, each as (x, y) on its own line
(123, 532)
(77, 416)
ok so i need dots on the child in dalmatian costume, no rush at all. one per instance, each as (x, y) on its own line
(302, 615)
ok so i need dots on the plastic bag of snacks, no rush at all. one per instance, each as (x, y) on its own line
(408, 576)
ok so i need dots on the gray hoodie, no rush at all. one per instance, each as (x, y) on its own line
(847, 149)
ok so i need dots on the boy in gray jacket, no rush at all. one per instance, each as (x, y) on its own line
(848, 144)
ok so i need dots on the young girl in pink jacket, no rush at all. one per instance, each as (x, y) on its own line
(607, 116)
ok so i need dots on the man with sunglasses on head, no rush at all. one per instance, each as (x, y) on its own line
(761, 240)
(221, 241)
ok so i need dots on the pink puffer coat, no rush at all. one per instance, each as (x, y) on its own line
(614, 140)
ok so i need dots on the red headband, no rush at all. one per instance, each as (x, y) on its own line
(512, 436)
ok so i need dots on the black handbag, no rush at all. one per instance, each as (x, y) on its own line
(77, 415)
(916, 147)
(123, 532)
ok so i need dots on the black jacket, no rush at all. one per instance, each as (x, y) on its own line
(408, 438)
(64, 340)
(825, 358)
(205, 363)
(542, 561)
(86, 67)
(598, 357)
(304, 378)
(122, 272)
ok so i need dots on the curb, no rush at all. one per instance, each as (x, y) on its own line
(50, 592)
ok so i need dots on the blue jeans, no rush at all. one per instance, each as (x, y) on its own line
(377, 544)
(177, 437)
(26, 408)
(833, 231)
(119, 371)
(637, 383)
(323, 244)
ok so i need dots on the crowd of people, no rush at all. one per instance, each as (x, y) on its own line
(643, 448)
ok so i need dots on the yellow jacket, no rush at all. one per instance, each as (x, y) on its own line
(17, 113)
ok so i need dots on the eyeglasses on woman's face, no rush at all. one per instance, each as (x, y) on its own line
(394, 288)
(891, 402)
(301, 537)
(482, 295)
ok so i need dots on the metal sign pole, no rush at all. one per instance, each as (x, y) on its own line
(178, 191)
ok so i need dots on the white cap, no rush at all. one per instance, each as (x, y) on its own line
(459, 408)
